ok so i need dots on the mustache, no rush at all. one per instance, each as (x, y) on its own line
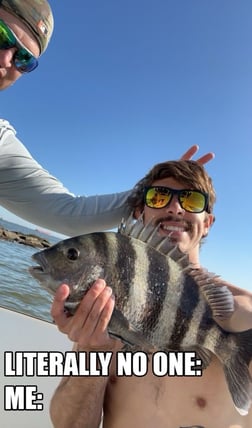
(175, 219)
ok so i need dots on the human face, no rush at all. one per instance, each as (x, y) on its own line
(8, 73)
(184, 228)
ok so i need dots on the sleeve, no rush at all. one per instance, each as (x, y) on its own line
(30, 192)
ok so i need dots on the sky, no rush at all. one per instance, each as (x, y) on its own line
(125, 85)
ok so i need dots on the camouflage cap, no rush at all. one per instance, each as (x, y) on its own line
(36, 15)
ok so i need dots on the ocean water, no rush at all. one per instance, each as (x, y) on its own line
(18, 289)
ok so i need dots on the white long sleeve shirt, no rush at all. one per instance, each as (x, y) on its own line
(30, 192)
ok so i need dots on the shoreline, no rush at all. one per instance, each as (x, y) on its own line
(23, 238)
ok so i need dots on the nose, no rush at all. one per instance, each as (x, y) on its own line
(6, 57)
(174, 206)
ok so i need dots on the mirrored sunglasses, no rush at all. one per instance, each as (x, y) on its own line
(193, 201)
(23, 59)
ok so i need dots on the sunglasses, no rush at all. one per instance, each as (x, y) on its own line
(23, 59)
(193, 201)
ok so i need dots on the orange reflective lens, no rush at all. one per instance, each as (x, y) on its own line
(193, 201)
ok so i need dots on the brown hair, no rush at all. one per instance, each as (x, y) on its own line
(187, 172)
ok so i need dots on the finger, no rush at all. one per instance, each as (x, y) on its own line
(206, 158)
(89, 299)
(101, 337)
(87, 320)
(77, 323)
(190, 152)
(104, 318)
(93, 321)
(193, 150)
(59, 300)
(73, 324)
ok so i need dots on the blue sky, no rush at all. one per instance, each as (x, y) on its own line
(125, 85)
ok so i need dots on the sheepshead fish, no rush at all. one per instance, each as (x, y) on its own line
(161, 301)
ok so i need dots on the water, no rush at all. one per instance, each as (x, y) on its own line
(19, 290)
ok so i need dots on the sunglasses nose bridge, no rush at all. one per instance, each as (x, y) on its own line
(174, 204)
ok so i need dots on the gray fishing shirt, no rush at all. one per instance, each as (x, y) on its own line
(31, 192)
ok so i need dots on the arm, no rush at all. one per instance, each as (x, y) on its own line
(78, 401)
(30, 192)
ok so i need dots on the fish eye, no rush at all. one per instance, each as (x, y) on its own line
(73, 254)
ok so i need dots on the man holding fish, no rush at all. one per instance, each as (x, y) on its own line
(178, 199)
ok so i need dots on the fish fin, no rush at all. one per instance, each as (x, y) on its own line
(237, 372)
(148, 234)
(218, 296)
(204, 355)
(120, 328)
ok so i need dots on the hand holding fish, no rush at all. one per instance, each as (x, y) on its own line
(88, 326)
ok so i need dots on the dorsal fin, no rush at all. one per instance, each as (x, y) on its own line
(148, 234)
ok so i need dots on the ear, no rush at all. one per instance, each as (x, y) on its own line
(209, 221)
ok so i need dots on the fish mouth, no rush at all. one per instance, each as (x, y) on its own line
(42, 274)
(38, 272)
(44, 278)
(41, 269)
(37, 268)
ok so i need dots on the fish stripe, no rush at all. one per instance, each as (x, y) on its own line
(194, 329)
(125, 267)
(167, 316)
(156, 286)
(205, 325)
(98, 243)
(139, 296)
(214, 339)
(185, 311)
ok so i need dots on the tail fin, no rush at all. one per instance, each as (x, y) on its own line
(236, 370)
